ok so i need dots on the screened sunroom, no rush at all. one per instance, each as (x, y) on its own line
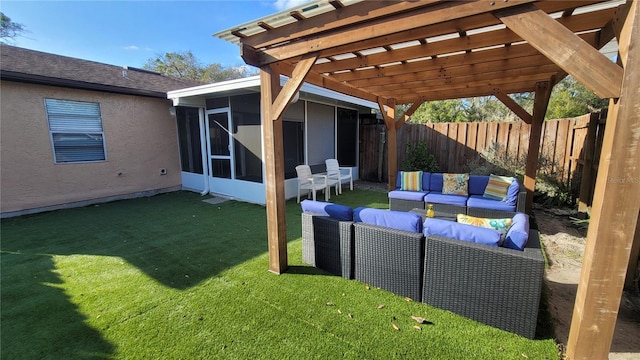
(220, 136)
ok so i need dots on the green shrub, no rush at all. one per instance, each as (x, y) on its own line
(419, 159)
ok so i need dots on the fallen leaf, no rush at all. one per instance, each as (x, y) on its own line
(367, 287)
(525, 356)
(408, 299)
(417, 327)
(500, 348)
(380, 306)
(330, 304)
(339, 311)
(419, 319)
(350, 316)
(395, 327)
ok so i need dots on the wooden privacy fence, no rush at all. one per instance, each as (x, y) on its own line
(566, 146)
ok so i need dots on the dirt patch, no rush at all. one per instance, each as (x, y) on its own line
(564, 244)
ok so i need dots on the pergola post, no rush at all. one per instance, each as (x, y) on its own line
(615, 208)
(273, 102)
(541, 101)
(633, 258)
(389, 116)
(274, 170)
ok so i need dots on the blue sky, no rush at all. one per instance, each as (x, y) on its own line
(130, 32)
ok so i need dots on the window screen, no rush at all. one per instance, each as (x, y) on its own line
(76, 131)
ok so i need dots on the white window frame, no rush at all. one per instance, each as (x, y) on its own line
(72, 124)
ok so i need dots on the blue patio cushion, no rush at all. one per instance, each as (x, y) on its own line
(336, 211)
(440, 198)
(478, 201)
(426, 181)
(407, 195)
(398, 220)
(518, 234)
(512, 193)
(477, 184)
(435, 182)
(464, 232)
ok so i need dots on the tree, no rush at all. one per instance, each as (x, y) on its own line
(439, 111)
(569, 98)
(185, 65)
(9, 30)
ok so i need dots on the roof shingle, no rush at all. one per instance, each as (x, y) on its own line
(26, 65)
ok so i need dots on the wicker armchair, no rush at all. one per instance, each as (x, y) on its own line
(493, 285)
(327, 244)
(390, 259)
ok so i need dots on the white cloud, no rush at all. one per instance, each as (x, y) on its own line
(287, 4)
(136, 48)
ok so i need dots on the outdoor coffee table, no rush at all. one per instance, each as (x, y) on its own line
(444, 215)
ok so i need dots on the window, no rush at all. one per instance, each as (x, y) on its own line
(189, 136)
(247, 137)
(347, 136)
(76, 131)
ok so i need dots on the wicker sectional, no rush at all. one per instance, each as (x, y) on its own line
(401, 200)
(496, 286)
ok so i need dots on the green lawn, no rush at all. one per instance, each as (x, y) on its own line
(172, 277)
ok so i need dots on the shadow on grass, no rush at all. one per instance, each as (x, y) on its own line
(38, 319)
(306, 270)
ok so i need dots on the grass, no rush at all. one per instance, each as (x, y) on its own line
(172, 277)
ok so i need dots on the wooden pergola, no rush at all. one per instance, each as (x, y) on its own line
(408, 52)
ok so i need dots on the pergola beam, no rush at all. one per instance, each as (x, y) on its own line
(323, 81)
(564, 48)
(293, 84)
(446, 63)
(364, 11)
(392, 23)
(514, 106)
(416, 104)
(614, 214)
(468, 81)
(583, 22)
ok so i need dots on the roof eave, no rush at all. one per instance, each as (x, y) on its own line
(74, 84)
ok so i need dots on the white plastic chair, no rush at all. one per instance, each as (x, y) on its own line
(338, 173)
(311, 183)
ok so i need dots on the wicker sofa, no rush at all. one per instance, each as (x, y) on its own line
(472, 204)
(496, 286)
(389, 250)
(395, 251)
(327, 237)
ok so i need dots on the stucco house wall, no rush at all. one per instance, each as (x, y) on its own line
(140, 138)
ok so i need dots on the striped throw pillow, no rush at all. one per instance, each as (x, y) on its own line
(497, 187)
(411, 180)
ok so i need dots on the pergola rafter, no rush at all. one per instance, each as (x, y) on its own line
(408, 52)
